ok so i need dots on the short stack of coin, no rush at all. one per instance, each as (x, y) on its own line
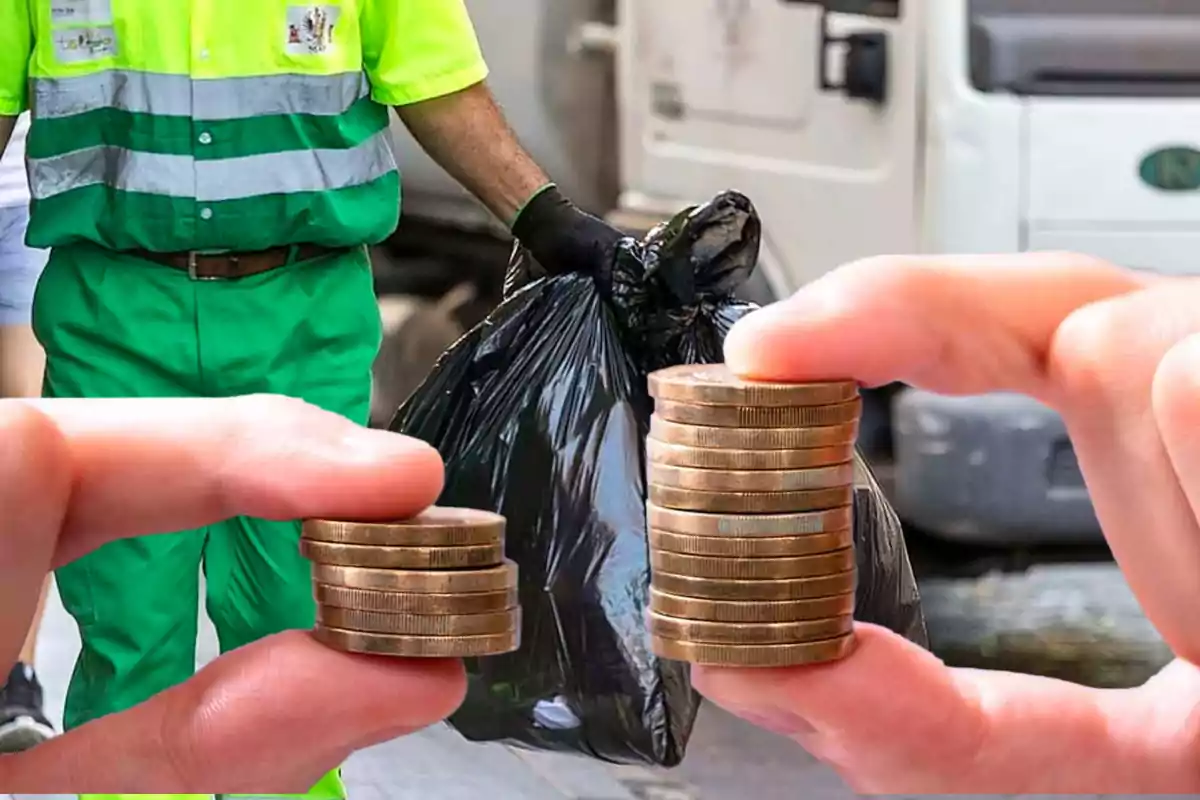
(750, 518)
(435, 585)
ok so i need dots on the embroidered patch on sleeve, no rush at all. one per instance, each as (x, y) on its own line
(310, 29)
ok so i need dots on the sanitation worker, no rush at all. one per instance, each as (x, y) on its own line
(207, 175)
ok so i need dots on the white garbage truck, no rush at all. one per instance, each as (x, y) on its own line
(863, 127)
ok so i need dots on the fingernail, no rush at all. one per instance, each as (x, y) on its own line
(778, 721)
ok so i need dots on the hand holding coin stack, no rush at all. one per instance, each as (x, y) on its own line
(750, 518)
(436, 585)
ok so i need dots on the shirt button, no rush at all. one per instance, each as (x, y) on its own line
(206, 213)
(204, 55)
(206, 138)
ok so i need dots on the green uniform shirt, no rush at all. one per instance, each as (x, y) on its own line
(175, 125)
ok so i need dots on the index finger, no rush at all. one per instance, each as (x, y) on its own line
(949, 324)
(149, 466)
(892, 718)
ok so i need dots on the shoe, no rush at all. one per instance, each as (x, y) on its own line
(22, 723)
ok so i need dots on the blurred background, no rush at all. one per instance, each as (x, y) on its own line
(858, 127)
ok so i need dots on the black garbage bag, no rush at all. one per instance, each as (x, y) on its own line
(541, 413)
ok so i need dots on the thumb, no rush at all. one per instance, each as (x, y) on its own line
(892, 718)
(889, 717)
(267, 718)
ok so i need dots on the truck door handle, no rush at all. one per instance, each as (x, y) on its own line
(865, 64)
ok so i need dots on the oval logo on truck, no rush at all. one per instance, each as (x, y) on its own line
(1172, 169)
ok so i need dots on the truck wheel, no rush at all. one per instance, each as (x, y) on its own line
(1077, 622)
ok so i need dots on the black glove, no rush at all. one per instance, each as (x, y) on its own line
(563, 237)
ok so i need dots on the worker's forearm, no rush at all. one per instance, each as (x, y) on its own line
(466, 134)
(7, 125)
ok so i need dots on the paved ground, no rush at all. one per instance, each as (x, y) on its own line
(727, 759)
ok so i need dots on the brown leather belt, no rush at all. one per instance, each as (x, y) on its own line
(230, 266)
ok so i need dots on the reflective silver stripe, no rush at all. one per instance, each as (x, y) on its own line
(165, 95)
(201, 99)
(121, 169)
(294, 171)
(288, 172)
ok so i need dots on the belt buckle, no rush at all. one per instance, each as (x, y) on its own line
(191, 268)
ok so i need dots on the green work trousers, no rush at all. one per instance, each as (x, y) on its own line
(114, 325)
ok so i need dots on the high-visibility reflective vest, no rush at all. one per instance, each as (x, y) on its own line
(222, 124)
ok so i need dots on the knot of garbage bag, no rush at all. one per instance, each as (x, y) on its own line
(681, 272)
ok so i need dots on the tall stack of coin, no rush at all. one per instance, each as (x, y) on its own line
(750, 518)
(435, 585)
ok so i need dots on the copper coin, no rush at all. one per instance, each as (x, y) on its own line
(383, 644)
(435, 526)
(694, 630)
(404, 603)
(753, 568)
(751, 546)
(752, 438)
(699, 524)
(763, 480)
(714, 384)
(759, 416)
(730, 589)
(681, 455)
(750, 611)
(749, 502)
(753, 655)
(419, 624)
(492, 579)
(365, 555)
